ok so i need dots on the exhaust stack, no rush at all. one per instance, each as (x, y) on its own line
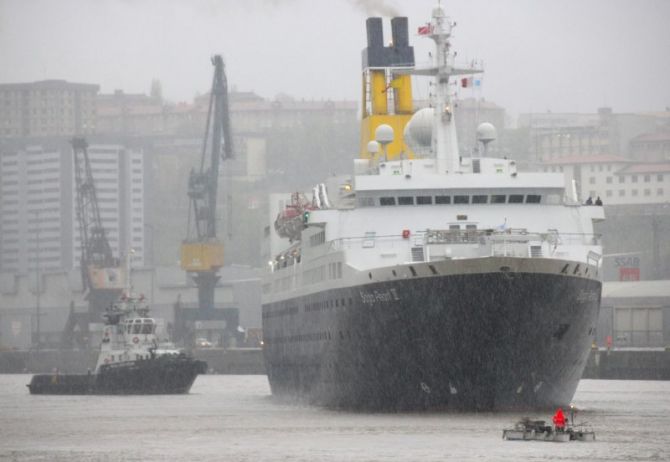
(383, 87)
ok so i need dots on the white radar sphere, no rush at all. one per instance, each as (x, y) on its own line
(384, 134)
(419, 130)
(486, 132)
(373, 147)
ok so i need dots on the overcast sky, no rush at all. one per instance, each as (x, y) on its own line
(539, 55)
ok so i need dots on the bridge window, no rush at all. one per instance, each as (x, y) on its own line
(498, 199)
(443, 199)
(387, 201)
(480, 199)
(148, 326)
(405, 200)
(533, 199)
(516, 198)
(461, 199)
(366, 201)
(424, 200)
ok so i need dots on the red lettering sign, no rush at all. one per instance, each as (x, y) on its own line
(629, 274)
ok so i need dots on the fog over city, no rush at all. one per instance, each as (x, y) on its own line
(569, 56)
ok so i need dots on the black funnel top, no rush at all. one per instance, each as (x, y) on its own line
(399, 53)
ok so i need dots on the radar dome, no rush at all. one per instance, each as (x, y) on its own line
(419, 130)
(384, 134)
(373, 147)
(486, 132)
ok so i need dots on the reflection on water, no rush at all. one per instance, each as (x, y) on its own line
(234, 418)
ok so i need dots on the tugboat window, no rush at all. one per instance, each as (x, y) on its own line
(424, 200)
(516, 198)
(498, 199)
(387, 201)
(533, 199)
(480, 199)
(461, 199)
(443, 199)
(148, 327)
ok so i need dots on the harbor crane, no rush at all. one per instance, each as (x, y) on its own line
(202, 251)
(102, 275)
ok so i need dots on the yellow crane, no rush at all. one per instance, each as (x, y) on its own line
(201, 251)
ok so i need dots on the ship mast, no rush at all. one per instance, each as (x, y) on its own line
(444, 139)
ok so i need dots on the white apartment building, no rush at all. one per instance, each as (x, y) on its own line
(647, 183)
(38, 221)
(32, 211)
(616, 180)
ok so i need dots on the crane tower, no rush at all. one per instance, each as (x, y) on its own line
(202, 251)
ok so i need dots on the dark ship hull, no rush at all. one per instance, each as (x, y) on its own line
(494, 340)
(161, 375)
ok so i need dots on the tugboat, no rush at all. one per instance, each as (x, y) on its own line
(130, 360)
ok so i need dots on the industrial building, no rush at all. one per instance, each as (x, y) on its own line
(635, 314)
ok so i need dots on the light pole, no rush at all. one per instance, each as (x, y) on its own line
(38, 288)
(152, 260)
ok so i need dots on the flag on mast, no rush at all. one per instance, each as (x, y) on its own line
(425, 29)
(469, 82)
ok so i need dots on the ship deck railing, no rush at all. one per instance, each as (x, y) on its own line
(440, 244)
(477, 236)
(512, 242)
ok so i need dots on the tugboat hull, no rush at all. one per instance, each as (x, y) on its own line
(487, 341)
(162, 375)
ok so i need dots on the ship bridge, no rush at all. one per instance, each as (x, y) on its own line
(140, 326)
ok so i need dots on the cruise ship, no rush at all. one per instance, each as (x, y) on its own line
(430, 279)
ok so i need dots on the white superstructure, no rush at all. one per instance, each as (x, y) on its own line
(434, 208)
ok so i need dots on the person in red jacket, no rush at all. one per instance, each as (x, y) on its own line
(559, 420)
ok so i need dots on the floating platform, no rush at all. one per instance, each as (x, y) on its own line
(537, 430)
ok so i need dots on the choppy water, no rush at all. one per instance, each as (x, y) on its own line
(233, 418)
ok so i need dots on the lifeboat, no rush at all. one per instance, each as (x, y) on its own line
(291, 221)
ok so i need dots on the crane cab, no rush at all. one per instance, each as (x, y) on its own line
(201, 256)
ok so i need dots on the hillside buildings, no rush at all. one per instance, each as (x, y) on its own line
(47, 108)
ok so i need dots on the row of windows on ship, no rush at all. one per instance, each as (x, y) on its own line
(140, 326)
(288, 308)
(459, 199)
(310, 276)
(126, 357)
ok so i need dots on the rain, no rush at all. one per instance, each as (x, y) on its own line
(334, 230)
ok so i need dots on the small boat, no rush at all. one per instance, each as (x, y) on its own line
(537, 430)
(131, 361)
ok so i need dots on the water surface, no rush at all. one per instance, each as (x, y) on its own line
(234, 418)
